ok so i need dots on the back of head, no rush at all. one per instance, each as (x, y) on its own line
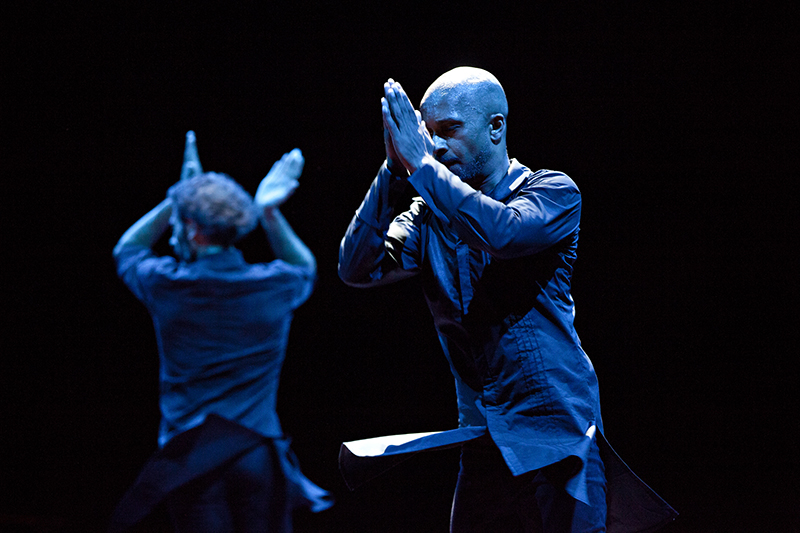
(221, 208)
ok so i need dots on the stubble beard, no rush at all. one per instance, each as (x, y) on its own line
(474, 172)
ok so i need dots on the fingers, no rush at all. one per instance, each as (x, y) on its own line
(296, 160)
(287, 168)
(389, 97)
(190, 150)
(389, 122)
(293, 164)
(276, 169)
(399, 104)
(191, 161)
(394, 105)
(384, 109)
(407, 134)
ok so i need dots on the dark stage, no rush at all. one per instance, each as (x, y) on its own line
(679, 127)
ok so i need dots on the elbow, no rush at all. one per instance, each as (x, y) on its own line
(509, 247)
(347, 276)
(510, 238)
(500, 245)
(513, 247)
(351, 277)
(118, 249)
(502, 253)
(346, 268)
(506, 250)
(311, 263)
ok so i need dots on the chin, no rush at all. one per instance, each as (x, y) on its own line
(455, 169)
(466, 177)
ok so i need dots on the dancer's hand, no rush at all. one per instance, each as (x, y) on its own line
(191, 161)
(281, 181)
(408, 136)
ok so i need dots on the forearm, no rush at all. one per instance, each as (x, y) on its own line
(361, 253)
(147, 230)
(362, 250)
(285, 244)
(537, 218)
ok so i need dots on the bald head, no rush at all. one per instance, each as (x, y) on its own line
(465, 112)
(472, 88)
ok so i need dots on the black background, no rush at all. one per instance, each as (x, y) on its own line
(678, 124)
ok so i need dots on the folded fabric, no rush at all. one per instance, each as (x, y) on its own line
(198, 451)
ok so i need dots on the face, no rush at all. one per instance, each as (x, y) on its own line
(180, 241)
(460, 135)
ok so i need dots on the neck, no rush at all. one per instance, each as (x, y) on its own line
(500, 170)
(209, 249)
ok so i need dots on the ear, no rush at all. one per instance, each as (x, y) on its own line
(195, 235)
(497, 123)
(191, 230)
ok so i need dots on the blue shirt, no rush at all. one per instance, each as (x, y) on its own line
(496, 271)
(222, 326)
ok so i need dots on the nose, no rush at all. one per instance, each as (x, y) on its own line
(439, 146)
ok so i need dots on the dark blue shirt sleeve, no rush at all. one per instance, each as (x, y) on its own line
(297, 281)
(135, 265)
(362, 252)
(545, 211)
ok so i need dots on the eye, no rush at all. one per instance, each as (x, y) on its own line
(445, 129)
(450, 129)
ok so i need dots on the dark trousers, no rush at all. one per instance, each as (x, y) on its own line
(489, 498)
(247, 494)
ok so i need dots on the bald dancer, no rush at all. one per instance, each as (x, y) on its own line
(494, 243)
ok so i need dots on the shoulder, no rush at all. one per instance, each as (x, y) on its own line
(551, 183)
(548, 188)
(551, 178)
(280, 269)
(284, 282)
(522, 178)
(142, 261)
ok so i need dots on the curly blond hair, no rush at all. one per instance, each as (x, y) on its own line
(223, 211)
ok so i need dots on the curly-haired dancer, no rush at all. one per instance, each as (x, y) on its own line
(222, 326)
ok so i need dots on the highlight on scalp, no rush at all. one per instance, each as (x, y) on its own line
(470, 84)
(223, 211)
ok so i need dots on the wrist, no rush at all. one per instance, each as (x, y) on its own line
(396, 168)
(427, 159)
(269, 213)
(417, 163)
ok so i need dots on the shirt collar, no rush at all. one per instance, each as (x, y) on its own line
(511, 182)
(228, 259)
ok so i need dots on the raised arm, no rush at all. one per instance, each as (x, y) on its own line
(276, 188)
(363, 257)
(147, 230)
(545, 211)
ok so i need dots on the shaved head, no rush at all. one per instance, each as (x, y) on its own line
(471, 88)
(465, 112)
